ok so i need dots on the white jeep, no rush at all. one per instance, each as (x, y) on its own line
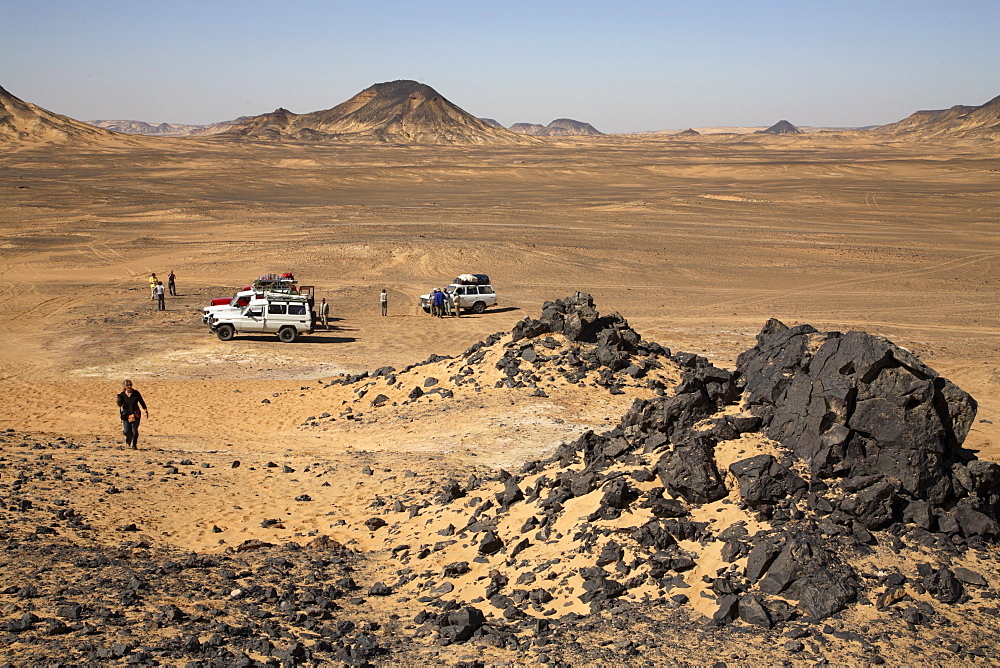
(286, 315)
(475, 298)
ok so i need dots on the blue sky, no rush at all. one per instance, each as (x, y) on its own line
(623, 66)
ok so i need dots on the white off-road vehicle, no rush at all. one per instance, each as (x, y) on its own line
(475, 298)
(474, 293)
(286, 315)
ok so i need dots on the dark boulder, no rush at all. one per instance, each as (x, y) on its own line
(618, 494)
(460, 625)
(752, 611)
(873, 505)
(490, 543)
(943, 585)
(822, 593)
(762, 479)
(728, 609)
(855, 404)
(511, 493)
(690, 473)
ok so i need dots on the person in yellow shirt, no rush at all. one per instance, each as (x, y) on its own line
(152, 285)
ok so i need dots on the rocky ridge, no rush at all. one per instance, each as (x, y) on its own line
(816, 497)
(769, 492)
(981, 121)
(23, 121)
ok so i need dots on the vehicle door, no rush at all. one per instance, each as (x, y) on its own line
(300, 313)
(253, 319)
(487, 295)
(275, 315)
(468, 293)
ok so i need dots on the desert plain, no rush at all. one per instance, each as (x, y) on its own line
(697, 242)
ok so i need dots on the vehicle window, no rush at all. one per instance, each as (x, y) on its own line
(296, 309)
(275, 308)
(255, 312)
(463, 290)
(485, 290)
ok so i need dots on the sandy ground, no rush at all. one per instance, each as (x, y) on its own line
(696, 242)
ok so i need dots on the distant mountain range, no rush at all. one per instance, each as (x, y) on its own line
(408, 112)
(561, 127)
(167, 129)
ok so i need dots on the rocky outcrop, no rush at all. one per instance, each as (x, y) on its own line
(855, 406)
(25, 122)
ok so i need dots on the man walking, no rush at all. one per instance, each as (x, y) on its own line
(323, 310)
(171, 285)
(160, 304)
(383, 302)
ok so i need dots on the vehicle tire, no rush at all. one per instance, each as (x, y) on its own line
(225, 332)
(479, 307)
(287, 334)
(427, 309)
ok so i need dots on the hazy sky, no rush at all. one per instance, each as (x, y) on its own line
(624, 66)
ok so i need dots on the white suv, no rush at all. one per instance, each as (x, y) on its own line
(475, 298)
(275, 313)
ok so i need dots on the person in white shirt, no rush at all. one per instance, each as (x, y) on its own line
(323, 311)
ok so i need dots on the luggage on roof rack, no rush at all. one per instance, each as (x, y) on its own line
(472, 279)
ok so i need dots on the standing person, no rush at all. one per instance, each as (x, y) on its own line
(456, 304)
(129, 401)
(171, 285)
(160, 304)
(152, 285)
(323, 310)
(383, 302)
(438, 302)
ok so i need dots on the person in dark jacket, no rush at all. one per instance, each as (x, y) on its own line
(129, 401)
(438, 302)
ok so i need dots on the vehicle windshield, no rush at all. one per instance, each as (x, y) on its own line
(451, 288)
(236, 301)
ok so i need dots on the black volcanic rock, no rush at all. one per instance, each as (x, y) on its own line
(762, 479)
(854, 405)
